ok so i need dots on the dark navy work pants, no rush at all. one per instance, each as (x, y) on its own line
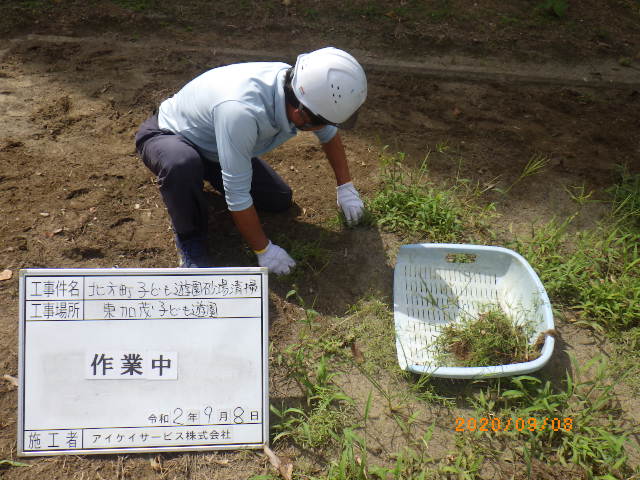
(181, 172)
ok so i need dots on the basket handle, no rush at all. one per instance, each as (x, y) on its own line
(458, 253)
(460, 257)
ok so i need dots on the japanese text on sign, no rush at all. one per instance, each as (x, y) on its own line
(102, 298)
(119, 360)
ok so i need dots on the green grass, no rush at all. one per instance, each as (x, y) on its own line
(417, 210)
(33, 4)
(12, 463)
(626, 199)
(369, 324)
(410, 204)
(555, 8)
(594, 272)
(593, 443)
(311, 258)
(135, 5)
(536, 164)
(591, 273)
(577, 424)
(509, 20)
(326, 410)
(597, 276)
(579, 194)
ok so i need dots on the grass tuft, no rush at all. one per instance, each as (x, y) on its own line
(409, 204)
(595, 273)
(555, 8)
(626, 199)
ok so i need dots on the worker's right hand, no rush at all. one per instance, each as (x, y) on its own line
(276, 259)
(350, 202)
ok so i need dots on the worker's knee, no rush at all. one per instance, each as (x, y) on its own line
(182, 169)
(284, 200)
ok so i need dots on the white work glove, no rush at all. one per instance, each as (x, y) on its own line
(350, 203)
(276, 259)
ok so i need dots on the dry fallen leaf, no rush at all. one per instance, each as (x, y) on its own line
(357, 353)
(6, 274)
(156, 463)
(285, 469)
(55, 232)
(273, 458)
(12, 380)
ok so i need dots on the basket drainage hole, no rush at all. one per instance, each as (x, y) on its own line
(461, 258)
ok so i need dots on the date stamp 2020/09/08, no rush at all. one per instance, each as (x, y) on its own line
(519, 424)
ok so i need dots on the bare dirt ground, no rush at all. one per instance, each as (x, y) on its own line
(481, 86)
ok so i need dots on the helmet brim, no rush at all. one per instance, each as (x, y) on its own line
(350, 122)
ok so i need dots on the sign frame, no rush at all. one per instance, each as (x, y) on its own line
(25, 274)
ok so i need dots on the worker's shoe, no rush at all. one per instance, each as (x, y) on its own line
(193, 251)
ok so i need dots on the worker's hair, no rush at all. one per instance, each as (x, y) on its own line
(289, 96)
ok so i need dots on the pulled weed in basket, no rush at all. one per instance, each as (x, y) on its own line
(491, 338)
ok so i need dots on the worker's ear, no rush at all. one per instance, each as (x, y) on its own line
(299, 113)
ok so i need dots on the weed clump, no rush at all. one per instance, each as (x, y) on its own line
(491, 338)
(409, 203)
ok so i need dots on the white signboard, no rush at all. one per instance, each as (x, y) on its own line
(142, 360)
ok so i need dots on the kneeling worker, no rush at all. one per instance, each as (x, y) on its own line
(218, 124)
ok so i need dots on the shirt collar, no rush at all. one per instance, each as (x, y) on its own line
(281, 111)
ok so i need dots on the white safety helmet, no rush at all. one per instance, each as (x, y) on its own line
(331, 84)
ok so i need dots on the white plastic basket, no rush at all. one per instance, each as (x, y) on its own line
(435, 284)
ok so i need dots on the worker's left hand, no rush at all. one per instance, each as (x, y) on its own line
(350, 203)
